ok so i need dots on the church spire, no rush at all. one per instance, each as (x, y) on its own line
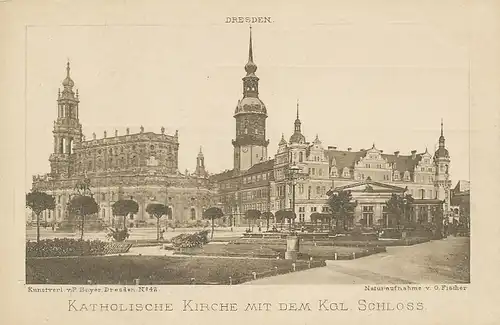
(297, 120)
(250, 67)
(441, 138)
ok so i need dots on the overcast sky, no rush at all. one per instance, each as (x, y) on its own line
(359, 82)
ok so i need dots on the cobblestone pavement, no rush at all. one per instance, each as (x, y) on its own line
(441, 261)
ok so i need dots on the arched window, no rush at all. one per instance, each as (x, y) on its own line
(345, 172)
(193, 214)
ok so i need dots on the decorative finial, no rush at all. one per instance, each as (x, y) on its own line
(77, 95)
(176, 133)
(441, 126)
(162, 130)
(142, 129)
(93, 135)
(297, 108)
(116, 133)
(105, 134)
(200, 150)
(373, 146)
(128, 131)
(250, 67)
(67, 69)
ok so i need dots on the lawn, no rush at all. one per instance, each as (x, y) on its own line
(153, 269)
(306, 251)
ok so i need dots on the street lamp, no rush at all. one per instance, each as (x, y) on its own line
(293, 171)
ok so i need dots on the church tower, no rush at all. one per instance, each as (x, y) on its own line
(200, 165)
(67, 129)
(250, 145)
(442, 181)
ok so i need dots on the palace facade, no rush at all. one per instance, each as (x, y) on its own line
(265, 184)
(142, 166)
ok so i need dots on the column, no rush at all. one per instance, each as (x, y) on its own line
(56, 143)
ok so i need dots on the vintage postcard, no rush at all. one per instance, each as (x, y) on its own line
(303, 162)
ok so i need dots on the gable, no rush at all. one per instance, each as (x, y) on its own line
(370, 186)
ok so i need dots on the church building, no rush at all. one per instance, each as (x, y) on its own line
(142, 166)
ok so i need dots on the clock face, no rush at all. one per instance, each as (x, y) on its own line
(244, 149)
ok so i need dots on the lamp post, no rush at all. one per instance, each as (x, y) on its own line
(293, 170)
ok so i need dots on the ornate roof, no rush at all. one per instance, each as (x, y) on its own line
(250, 105)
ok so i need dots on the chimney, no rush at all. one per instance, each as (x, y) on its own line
(396, 153)
(413, 154)
(349, 149)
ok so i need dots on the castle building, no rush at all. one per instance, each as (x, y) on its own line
(372, 176)
(142, 166)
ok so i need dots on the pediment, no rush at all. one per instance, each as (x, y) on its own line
(370, 186)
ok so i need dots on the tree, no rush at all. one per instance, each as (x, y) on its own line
(252, 215)
(281, 215)
(157, 210)
(212, 214)
(124, 208)
(398, 207)
(83, 205)
(267, 215)
(39, 202)
(342, 207)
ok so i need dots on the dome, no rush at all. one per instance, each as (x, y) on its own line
(441, 152)
(251, 105)
(250, 67)
(297, 138)
(68, 82)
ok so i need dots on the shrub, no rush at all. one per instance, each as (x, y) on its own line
(71, 247)
(197, 239)
(118, 235)
(64, 247)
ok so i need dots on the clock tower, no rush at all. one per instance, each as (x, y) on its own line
(250, 144)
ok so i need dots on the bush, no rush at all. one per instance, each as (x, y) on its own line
(197, 239)
(71, 247)
(118, 235)
(64, 247)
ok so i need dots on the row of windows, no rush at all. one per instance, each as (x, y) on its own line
(121, 149)
(256, 206)
(256, 194)
(255, 178)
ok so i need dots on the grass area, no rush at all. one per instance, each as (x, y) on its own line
(152, 269)
(340, 241)
(274, 250)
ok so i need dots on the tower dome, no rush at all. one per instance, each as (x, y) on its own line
(68, 82)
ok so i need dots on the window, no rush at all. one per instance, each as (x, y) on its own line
(264, 177)
(309, 193)
(407, 176)
(103, 196)
(320, 171)
(313, 171)
(396, 175)
(318, 190)
(301, 188)
(334, 172)
(302, 209)
(346, 172)
(324, 209)
(301, 157)
(193, 214)
(313, 209)
(367, 165)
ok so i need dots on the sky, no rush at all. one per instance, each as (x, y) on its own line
(359, 82)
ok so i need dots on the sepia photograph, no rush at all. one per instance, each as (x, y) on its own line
(247, 153)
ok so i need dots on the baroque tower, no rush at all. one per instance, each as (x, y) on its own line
(250, 145)
(67, 129)
(200, 165)
(442, 181)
